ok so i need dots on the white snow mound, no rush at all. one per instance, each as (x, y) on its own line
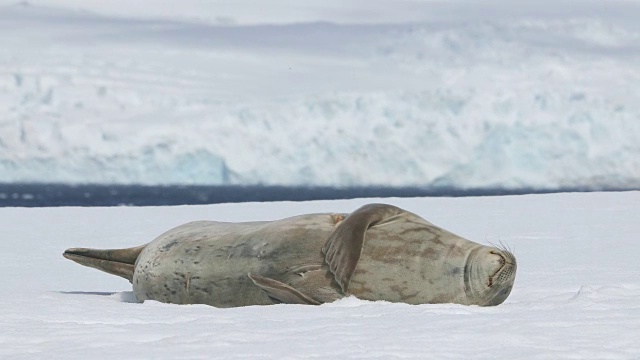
(576, 293)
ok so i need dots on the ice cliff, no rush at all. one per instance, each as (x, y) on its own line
(531, 100)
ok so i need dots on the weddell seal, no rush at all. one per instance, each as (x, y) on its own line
(378, 252)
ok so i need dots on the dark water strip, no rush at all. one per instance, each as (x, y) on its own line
(45, 195)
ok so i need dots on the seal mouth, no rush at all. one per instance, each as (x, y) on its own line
(503, 261)
(506, 258)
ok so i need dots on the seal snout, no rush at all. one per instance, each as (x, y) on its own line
(494, 265)
(505, 266)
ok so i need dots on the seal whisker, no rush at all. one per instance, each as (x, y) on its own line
(508, 252)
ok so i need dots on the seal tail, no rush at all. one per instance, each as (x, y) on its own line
(120, 262)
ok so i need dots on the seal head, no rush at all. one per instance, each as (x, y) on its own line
(489, 275)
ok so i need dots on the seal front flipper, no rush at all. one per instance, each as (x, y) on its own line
(342, 250)
(281, 291)
(120, 262)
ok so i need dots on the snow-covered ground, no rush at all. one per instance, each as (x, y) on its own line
(464, 94)
(577, 291)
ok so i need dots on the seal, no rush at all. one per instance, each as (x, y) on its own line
(378, 252)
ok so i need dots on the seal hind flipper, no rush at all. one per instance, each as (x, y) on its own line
(281, 291)
(342, 250)
(120, 262)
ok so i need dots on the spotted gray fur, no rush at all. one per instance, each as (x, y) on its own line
(378, 252)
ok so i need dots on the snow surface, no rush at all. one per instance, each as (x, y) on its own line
(463, 94)
(576, 296)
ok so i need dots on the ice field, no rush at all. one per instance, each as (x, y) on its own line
(576, 294)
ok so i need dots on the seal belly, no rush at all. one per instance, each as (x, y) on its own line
(208, 262)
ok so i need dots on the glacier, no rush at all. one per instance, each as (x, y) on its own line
(539, 95)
